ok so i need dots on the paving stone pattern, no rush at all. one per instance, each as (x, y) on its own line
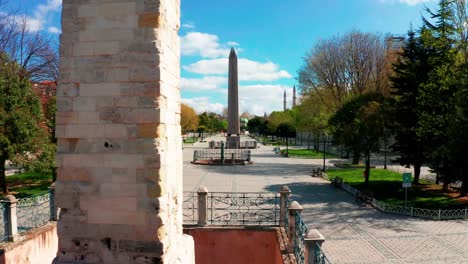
(354, 234)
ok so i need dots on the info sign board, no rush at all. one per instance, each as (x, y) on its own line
(406, 180)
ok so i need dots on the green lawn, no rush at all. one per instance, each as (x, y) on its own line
(387, 187)
(309, 154)
(191, 140)
(28, 184)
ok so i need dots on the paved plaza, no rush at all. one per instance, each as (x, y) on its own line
(354, 234)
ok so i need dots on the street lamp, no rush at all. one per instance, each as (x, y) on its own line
(324, 146)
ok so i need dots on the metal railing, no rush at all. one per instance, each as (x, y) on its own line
(320, 257)
(4, 219)
(412, 211)
(268, 209)
(190, 208)
(33, 212)
(301, 231)
(243, 208)
(215, 154)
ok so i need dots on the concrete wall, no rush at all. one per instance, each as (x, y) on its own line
(34, 247)
(234, 246)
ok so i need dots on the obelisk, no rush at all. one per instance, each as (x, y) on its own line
(233, 133)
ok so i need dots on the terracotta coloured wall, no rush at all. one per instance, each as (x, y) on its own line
(235, 246)
(38, 246)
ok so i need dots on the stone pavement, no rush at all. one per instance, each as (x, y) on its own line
(354, 234)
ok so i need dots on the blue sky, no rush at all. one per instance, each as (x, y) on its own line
(271, 37)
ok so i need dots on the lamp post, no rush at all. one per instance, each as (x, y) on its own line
(324, 146)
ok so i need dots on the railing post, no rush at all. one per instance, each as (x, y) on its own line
(411, 210)
(312, 239)
(202, 206)
(439, 213)
(466, 212)
(12, 227)
(53, 209)
(293, 208)
(285, 192)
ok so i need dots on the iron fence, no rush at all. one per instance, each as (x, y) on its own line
(301, 231)
(243, 208)
(190, 208)
(33, 212)
(215, 154)
(4, 220)
(319, 257)
(412, 211)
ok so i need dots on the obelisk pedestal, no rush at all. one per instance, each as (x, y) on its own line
(233, 133)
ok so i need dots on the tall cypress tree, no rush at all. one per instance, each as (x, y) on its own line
(410, 71)
(436, 98)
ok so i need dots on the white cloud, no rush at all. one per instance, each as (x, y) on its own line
(39, 18)
(232, 43)
(255, 99)
(54, 30)
(188, 25)
(32, 24)
(203, 104)
(258, 99)
(249, 70)
(202, 84)
(408, 2)
(202, 44)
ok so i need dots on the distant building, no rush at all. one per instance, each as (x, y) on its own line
(45, 90)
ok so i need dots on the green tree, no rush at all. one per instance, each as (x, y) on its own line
(436, 99)
(313, 117)
(286, 131)
(359, 125)
(276, 118)
(410, 71)
(20, 115)
(254, 125)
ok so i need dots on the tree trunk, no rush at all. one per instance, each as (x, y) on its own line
(308, 141)
(3, 183)
(355, 157)
(464, 187)
(417, 172)
(367, 171)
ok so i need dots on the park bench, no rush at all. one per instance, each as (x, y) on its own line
(364, 197)
(337, 181)
(316, 172)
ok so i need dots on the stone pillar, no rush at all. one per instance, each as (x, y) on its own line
(293, 208)
(53, 208)
(313, 239)
(119, 176)
(285, 192)
(11, 217)
(202, 195)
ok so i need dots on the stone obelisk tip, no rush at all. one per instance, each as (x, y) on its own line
(232, 53)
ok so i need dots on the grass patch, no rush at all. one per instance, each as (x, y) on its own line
(28, 184)
(387, 187)
(309, 154)
(191, 140)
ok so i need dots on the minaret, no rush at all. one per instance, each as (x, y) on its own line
(294, 96)
(233, 133)
(265, 115)
(284, 101)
